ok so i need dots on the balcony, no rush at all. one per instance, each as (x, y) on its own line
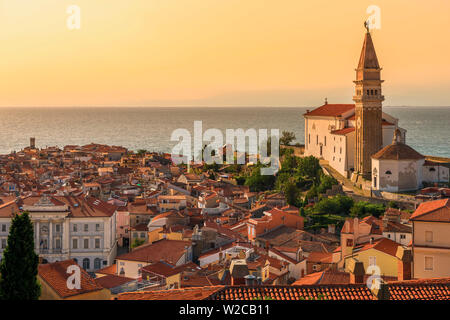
(50, 251)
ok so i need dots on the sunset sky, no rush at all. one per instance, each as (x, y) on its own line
(218, 52)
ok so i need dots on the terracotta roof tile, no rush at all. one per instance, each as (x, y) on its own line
(55, 275)
(331, 110)
(437, 210)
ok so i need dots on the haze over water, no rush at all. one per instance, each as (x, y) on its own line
(428, 128)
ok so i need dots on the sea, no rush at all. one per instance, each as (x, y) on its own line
(151, 128)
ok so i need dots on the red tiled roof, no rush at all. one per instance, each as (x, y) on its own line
(195, 293)
(111, 281)
(397, 151)
(162, 269)
(331, 110)
(343, 131)
(55, 275)
(422, 289)
(383, 244)
(307, 292)
(437, 210)
(323, 257)
(167, 250)
(108, 270)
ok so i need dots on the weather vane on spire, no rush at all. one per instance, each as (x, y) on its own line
(366, 25)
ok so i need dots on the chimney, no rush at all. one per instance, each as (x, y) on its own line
(250, 280)
(404, 256)
(357, 271)
(381, 290)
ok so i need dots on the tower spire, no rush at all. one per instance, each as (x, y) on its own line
(368, 107)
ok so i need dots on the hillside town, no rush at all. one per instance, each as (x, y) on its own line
(141, 227)
(353, 214)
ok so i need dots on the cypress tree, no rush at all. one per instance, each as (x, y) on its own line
(19, 266)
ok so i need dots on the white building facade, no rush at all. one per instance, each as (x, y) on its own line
(67, 228)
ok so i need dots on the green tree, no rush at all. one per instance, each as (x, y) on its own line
(19, 266)
(326, 182)
(291, 193)
(136, 243)
(310, 168)
(141, 152)
(393, 204)
(364, 208)
(302, 212)
(287, 137)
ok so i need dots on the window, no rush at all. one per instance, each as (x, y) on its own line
(58, 243)
(97, 243)
(86, 228)
(3, 227)
(75, 228)
(316, 267)
(135, 235)
(372, 261)
(325, 140)
(86, 264)
(139, 268)
(368, 92)
(75, 243)
(432, 169)
(44, 244)
(58, 228)
(309, 138)
(376, 92)
(388, 172)
(374, 182)
(340, 150)
(142, 234)
(403, 236)
(3, 243)
(86, 243)
(428, 263)
(317, 139)
(97, 263)
(97, 227)
(389, 235)
(429, 236)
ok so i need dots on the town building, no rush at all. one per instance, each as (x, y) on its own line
(78, 228)
(431, 239)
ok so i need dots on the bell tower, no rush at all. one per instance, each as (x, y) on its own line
(368, 108)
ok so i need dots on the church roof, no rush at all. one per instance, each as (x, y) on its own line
(331, 110)
(368, 58)
(397, 151)
(343, 131)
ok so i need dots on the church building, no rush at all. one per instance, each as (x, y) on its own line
(357, 139)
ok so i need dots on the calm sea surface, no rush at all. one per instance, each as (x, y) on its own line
(428, 128)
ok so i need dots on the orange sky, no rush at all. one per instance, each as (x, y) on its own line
(218, 52)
